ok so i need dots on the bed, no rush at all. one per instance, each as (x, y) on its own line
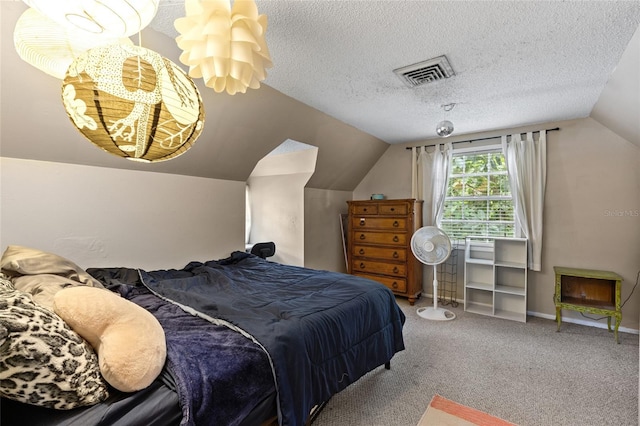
(248, 342)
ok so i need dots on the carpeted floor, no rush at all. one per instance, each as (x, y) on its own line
(524, 373)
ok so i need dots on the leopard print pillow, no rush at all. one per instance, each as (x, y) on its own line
(42, 361)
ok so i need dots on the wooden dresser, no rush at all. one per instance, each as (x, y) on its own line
(379, 244)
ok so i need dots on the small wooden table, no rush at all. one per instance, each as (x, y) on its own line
(588, 290)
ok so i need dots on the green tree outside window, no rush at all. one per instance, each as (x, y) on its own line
(478, 200)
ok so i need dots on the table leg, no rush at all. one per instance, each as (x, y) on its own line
(558, 317)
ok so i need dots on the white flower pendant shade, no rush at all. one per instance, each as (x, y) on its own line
(224, 45)
(51, 47)
(112, 18)
(133, 103)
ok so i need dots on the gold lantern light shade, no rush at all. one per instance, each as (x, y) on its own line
(224, 45)
(112, 18)
(133, 103)
(51, 47)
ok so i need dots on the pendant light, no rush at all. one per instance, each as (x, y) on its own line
(115, 18)
(133, 103)
(224, 45)
(445, 127)
(50, 47)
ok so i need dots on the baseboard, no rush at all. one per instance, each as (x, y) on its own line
(553, 318)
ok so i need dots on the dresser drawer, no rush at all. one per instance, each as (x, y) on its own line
(361, 209)
(398, 239)
(398, 269)
(391, 209)
(378, 252)
(389, 223)
(395, 284)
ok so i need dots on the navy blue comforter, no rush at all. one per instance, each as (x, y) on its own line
(220, 376)
(322, 330)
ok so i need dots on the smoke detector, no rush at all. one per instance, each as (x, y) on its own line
(425, 72)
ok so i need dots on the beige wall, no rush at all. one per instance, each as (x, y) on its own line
(322, 232)
(276, 188)
(277, 211)
(106, 217)
(100, 217)
(592, 208)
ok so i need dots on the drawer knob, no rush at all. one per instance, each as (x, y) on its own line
(396, 270)
(395, 239)
(395, 224)
(362, 237)
(361, 221)
(361, 265)
(395, 255)
(394, 285)
(393, 209)
(361, 251)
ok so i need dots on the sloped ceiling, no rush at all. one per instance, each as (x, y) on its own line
(516, 63)
(332, 85)
(239, 130)
(618, 107)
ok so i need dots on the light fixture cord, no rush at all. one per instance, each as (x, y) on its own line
(139, 67)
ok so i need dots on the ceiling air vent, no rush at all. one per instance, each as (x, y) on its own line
(425, 72)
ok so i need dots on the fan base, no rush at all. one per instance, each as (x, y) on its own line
(436, 314)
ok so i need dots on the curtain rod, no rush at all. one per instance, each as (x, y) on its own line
(481, 139)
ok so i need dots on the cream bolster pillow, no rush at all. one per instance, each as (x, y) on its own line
(129, 340)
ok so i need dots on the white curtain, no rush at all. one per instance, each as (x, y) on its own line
(430, 177)
(440, 167)
(527, 168)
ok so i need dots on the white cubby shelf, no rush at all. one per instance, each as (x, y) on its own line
(495, 277)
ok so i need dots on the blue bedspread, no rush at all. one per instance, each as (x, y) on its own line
(322, 330)
(220, 375)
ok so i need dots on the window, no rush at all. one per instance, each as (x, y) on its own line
(478, 200)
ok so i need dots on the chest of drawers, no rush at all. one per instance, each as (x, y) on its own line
(379, 238)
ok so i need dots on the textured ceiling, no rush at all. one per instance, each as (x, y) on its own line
(516, 62)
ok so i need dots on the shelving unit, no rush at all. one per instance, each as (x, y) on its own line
(495, 277)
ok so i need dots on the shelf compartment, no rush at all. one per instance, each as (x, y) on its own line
(480, 286)
(478, 250)
(480, 261)
(511, 277)
(509, 315)
(478, 301)
(510, 251)
(478, 308)
(511, 306)
(504, 264)
(518, 291)
(479, 274)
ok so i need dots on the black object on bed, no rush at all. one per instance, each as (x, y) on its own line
(263, 338)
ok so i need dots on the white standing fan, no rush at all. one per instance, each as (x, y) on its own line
(432, 246)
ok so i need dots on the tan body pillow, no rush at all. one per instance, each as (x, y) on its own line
(128, 339)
